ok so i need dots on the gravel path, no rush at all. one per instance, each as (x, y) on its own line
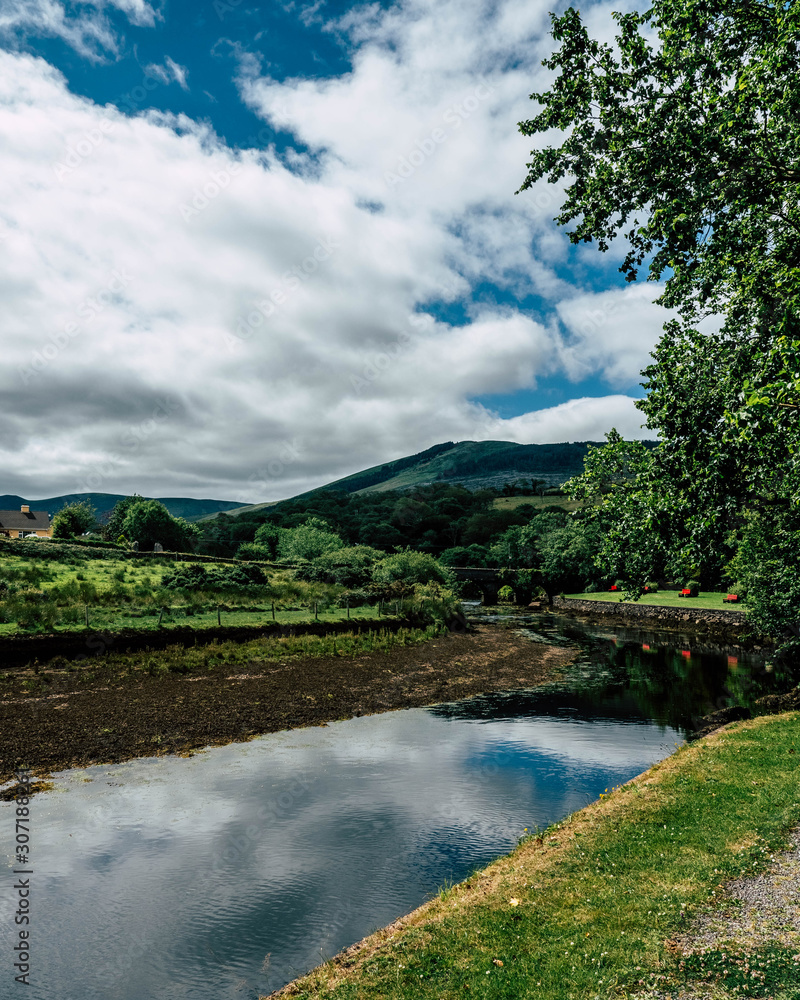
(765, 910)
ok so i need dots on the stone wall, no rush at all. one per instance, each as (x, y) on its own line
(650, 612)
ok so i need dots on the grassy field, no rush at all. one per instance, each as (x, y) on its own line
(590, 908)
(54, 594)
(110, 619)
(509, 503)
(708, 601)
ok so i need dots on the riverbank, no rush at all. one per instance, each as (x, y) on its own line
(121, 706)
(616, 900)
(728, 625)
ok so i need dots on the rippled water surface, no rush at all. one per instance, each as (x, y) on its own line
(227, 874)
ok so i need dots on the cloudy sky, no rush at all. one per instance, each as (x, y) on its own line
(250, 247)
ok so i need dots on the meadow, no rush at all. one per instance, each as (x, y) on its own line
(117, 592)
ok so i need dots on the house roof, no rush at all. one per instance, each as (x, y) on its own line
(34, 520)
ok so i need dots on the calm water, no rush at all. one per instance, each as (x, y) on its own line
(227, 874)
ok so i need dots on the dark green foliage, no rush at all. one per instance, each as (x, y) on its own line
(187, 577)
(267, 537)
(684, 138)
(148, 522)
(113, 528)
(252, 550)
(411, 568)
(467, 555)
(431, 518)
(73, 519)
(349, 567)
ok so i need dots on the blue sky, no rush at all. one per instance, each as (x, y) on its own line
(249, 248)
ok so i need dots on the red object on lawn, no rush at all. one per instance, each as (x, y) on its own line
(685, 592)
(613, 588)
(731, 597)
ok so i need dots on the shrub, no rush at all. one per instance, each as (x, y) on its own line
(413, 568)
(505, 593)
(349, 567)
(253, 551)
(432, 604)
(693, 586)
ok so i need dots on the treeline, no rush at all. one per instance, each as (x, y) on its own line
(455, 526)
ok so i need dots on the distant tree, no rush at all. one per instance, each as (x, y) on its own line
(465, 555)
(267, 536)
(74, 519)
(149, 521)
(112, 529)
(411, 567)
(309, 540)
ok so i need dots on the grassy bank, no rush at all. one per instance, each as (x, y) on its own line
(591, 907)
(708, 601)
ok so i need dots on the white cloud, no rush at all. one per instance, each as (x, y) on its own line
(169, 72)
(88, 31)
(184, 319)
(612, 332)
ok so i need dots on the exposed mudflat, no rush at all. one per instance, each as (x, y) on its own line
(104, 713)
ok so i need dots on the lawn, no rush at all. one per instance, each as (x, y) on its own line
(707, 601)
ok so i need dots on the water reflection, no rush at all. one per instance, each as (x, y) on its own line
(230, 873)
(672, 677)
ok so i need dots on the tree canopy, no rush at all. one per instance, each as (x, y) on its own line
(74, 519)
(683, 138)
(148, 522)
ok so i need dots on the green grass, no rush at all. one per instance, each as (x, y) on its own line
(46, 595)
(147, 620)
(589, 908)
(709, 600)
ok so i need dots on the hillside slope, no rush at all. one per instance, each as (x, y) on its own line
(103, 503)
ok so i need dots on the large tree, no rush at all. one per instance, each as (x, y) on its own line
(684, 138)
(74, 519)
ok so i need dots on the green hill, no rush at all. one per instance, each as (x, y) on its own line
(476, 464)
(103, 503)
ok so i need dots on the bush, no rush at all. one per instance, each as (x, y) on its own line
(432, 604)
(505, 593)
(349, 567)
(693, 586)
(194, 576)
(255, 551)
(412, 568)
